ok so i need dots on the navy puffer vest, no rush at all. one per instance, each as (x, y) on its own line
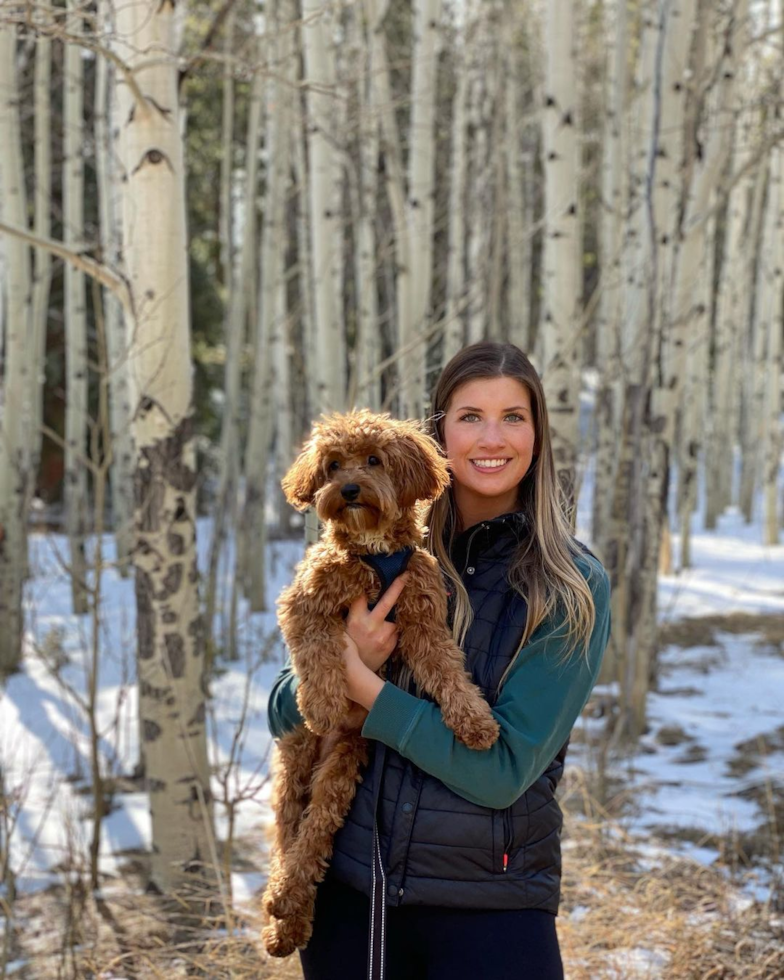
(438, 848)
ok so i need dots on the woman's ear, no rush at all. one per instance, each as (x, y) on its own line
(421, 470)
(303, 478)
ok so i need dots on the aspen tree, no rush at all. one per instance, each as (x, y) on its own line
(519, 160)
(774, 311)
(393, 174)
(240, 309)
(366, 389)
(227, 158)
(107, 122)
(268, 336)
(325, 205)
(729, 314)
(691, 288)
(562, 260)
(454, 328)
(15, 408)
(677, 23)
(753, 353)
(614, 201)
(76, 418)
(480, 191)
(419, 203)
(771, 321)
(42, 196)
(169, 628)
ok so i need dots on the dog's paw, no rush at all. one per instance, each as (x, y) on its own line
(281, 937)
(477, 731)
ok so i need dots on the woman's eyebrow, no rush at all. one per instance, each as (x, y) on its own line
(514, 408)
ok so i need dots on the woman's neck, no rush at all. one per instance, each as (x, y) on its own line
(472, 509)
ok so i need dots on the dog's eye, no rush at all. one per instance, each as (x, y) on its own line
(374, 461)
(334, 465)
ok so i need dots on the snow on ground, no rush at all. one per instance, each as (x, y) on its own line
(719, 696)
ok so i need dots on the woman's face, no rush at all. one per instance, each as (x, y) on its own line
(489, 438)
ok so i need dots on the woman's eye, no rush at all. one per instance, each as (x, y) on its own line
(374, 461)
(468, 416)
(515, 416)
(334, 465)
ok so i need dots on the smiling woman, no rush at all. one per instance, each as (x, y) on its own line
(463, 847)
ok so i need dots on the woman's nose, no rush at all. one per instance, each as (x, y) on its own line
(491, 435)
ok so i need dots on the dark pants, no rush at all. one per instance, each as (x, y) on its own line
(425, 943)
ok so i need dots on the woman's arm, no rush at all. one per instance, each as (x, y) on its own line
(282, 711)
(539, 703)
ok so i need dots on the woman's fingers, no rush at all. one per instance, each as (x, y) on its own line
(389, 598)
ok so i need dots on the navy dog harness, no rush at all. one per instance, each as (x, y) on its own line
(388, 567)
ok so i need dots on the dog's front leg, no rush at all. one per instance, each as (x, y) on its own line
(437, 665)
(321, 694)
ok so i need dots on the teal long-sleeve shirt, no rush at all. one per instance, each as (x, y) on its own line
(539, 703)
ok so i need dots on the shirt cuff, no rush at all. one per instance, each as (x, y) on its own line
(393, 716)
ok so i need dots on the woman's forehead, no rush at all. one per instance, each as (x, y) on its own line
(491, 393)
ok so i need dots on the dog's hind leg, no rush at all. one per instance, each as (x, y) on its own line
(333, 789)
(293, 763)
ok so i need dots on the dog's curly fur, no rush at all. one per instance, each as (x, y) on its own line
(393, 466)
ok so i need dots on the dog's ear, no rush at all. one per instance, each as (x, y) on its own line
(303, 478)
(421, 470)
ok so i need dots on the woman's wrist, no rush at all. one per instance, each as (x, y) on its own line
(363, 685)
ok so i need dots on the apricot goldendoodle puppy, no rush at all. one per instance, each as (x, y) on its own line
(365, 474)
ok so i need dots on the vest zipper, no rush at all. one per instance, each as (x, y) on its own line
(508, 836)
(468, 546)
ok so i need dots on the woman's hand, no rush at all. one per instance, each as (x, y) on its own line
(374, 637)
(363, 683)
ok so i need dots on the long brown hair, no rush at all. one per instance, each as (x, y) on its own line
(543, 569)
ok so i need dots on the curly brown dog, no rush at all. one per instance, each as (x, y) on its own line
(365, 473)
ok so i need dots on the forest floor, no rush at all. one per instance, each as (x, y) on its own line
(672, 852)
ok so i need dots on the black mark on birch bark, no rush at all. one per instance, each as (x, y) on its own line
(175, 650)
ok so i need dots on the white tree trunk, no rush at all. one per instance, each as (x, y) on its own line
(169, 627)
(227, 159)
(519, 167)
(271, 338)
(15, 405)
(753, 371)
(42, 270)
(393, 170)
(240, 307)
(419, 204)
(562, 261)
(325, 204)
(729, 322)
(771, 317)
(76, 418)
(692, 288)
(480, 182)
(366, 388)
(454, 330)
(668, 92)
(614, 200)
(107, 124)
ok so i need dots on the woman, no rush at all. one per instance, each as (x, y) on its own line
(470, 841)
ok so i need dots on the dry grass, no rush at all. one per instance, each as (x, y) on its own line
(621, 907)
(702, 630)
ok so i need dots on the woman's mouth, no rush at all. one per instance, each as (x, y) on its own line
(491, 465)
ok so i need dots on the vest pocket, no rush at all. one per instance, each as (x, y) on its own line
(503, 839)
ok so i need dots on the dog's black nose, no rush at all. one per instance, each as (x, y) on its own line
(350, 491)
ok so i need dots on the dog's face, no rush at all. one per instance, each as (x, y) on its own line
(365, 470)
